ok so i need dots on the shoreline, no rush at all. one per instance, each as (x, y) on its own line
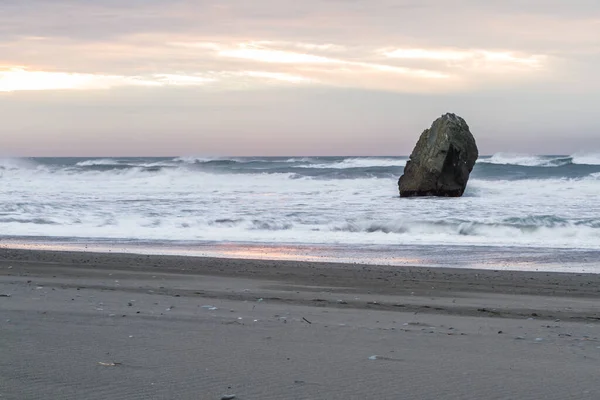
(97, 325)
(536, 259)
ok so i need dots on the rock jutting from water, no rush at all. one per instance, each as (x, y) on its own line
(441, 161)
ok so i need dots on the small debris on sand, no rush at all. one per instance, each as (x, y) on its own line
(109, 364)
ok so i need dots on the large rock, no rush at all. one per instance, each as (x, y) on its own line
(441, 161)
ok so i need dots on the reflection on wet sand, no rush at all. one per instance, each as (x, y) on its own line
(471, 257)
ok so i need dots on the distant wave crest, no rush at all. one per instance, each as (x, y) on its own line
(525, 160)
(17, 164)
(98, 162)
(203, 160)
(500, 166)
(360, 163)
(529, 160)
(586, 158)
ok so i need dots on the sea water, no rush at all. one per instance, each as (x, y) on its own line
(522, 211)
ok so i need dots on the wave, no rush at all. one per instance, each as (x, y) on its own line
(35, 221)
(300, 160)
(360, 163)
(523, 225)
(525, 160)
(192, 159)
(528, 231)
(11, 164)
(526, 224)
(258, 200)
(295, 168)
(586, 158)
(98, 162)
(494, 168)
(537, 231)
(208, 160)
(528, 160)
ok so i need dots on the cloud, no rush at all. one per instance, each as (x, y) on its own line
(399, 45)
(182, 80)
(255, 53)
(277, 76)
(474, 59)
(227, 64)
(20, 79)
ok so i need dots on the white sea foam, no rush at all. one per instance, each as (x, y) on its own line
(201, 159)
(185, 203)
(528, 160)
(297, 160)
(525, 160)
(360, 163)
(586, 158)
(95, 162)
(17, 164)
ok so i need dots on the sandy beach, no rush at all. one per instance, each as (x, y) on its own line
(94, 326)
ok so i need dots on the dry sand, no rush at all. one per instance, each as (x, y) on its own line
(122, 326)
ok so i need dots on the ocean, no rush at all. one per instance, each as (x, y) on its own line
(518, 212)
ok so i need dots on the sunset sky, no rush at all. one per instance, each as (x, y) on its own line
(289, 77)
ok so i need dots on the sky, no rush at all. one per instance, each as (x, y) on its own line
(289, 77)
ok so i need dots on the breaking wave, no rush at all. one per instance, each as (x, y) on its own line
(95, 162)
(551, 202)
(586, 158)
(527, 160)
(501, 166)
(360, 163)
(528, 231)
(8, 164)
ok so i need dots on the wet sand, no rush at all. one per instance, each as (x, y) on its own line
(95, 326)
